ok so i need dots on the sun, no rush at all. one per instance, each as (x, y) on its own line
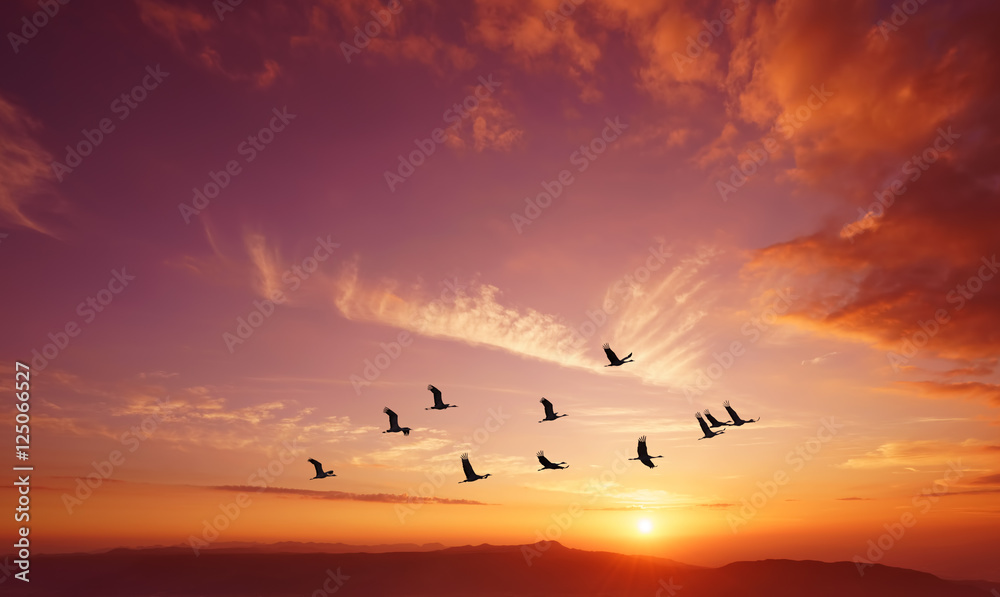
(645, 526)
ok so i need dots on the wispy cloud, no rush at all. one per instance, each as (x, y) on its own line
(659, 318)
(25, 171)
(390, 498)
(920, 453)
(819, 359)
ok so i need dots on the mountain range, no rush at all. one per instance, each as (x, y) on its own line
(321, 570)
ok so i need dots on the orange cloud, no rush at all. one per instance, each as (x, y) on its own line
(880, 128)
(969, 390)
(197, 35)
(535, 42)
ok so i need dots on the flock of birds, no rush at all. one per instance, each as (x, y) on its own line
(551, 415)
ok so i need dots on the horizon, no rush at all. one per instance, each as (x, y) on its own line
(529, 552)
(231, 235)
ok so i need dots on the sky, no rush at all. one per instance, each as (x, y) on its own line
(231, 235)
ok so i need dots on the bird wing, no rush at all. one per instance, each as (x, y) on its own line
(319, 467)
(437, 396)
(611, 354)
(643, 452)
(704, 425)
(393, 417)
(467, 467)
(732, 413)
(543, 460)
(549, 412)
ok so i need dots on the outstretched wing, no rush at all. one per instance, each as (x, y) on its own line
(549, 412)
(467, 467)
(543, 460)
(437, 395)
(643, 452)
(319, 467)
(732, 413)
(393, 417)
(611, 354)
(704, 425)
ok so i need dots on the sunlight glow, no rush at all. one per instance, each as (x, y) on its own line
(645, 526)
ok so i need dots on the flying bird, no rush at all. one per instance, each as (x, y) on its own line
(394, 423)
(644, 456)
(438, 403)
(548, 464)
(470, 475)
(550, 414)
(715, 422)
(736, 418)
(704, 427)
(615, 361)
(320, 473)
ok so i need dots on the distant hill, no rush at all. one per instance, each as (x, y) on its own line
(290, 547)
(485, 570)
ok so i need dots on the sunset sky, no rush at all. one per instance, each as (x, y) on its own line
(790, 205)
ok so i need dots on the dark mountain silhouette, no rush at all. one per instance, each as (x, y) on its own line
(285, 547)
(484, 570)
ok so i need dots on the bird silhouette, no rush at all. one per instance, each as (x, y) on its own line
(644, 456)
(715, 422)
(736, 418)
(550, 414)
(470, 475)
(548, 464)
(320, 473)
(615, 361)
(394, 423)
(438, 403)
(704, 427)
